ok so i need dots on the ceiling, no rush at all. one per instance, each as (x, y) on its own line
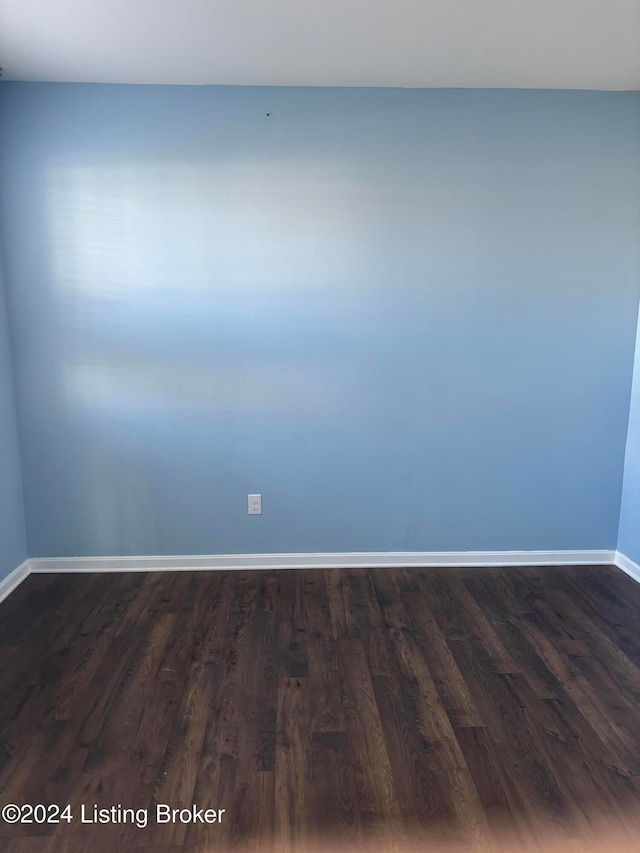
(567, 44)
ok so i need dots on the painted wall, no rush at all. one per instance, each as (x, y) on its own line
(13, 543)
(629, 535)
(406, 317)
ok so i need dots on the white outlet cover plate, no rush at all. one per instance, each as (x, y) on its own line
(255, 504)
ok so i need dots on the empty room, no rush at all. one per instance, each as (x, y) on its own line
(319, 426)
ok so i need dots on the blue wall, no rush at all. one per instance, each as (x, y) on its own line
(629, 536)
(406, 317)
(13, 544)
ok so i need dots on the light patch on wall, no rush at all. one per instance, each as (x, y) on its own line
(124, 388)
(123, 229)
(165, 252)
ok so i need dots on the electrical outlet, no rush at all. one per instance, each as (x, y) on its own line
(255, 504)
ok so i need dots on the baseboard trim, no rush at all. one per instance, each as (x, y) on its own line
(360, 560)
(349, 560)
(14, 579)
(628, 566)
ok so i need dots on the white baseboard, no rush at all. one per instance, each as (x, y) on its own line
(349, 560)
(361, 560)
(13, 579)
(628, 566)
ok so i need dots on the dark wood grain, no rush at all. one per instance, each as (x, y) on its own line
(321, 706)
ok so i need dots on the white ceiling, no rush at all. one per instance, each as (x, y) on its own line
(573, 44)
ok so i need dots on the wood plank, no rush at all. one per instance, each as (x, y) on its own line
(363, 707)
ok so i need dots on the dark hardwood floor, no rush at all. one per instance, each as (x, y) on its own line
(321, 706)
